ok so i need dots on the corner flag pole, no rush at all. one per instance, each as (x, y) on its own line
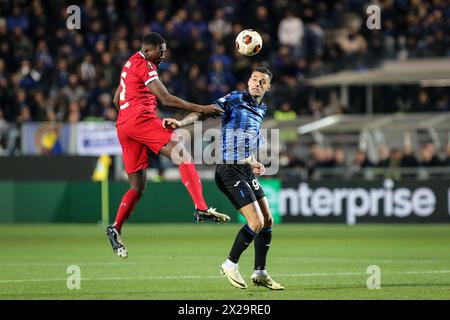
(101, 174)
(105, 202)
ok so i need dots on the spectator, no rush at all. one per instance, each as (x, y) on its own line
(219, 26)
(220, 54)
(198, 23)
(241, 65)
(328, 158)
(135, 16)
(446, 161)
(429, 157)
(314, 38)
(353, 45)
(108, 71)
(8, 136)
(44, 111)
(94, 107)
(74, 91)
(74, 113)
(395, 158)
(383, 156)
(294, 162)
(109, 113)
(317, 108)
(87, 69)
(180, 21)
(96, 34)
(111, 12)
(361, 161)
(291, 32)
(43, 54)
(285, 113)
(443, 104)
(62, 73)
(158, 23)
(197, 86)
(199, 54)
(408, 157)
(78, 47)
(334, 106)
(17, 20)
(340, 158)
(320, 157)
(220, 80)
(24, 115)
(423, 102)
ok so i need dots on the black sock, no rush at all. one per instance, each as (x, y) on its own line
(243, 239)
(262, 245)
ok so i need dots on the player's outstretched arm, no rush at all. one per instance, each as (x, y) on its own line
(189, 119)
(167, 99)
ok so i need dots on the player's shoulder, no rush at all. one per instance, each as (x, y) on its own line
(238, 97)
(235, 95)
(139, 61)
(131, 62)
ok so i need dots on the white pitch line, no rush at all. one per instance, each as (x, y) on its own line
(373, 261)
(337, 260)
(324, 274)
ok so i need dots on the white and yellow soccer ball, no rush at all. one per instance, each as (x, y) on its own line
(248, 42)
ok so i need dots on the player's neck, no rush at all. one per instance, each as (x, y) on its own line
(257, 99)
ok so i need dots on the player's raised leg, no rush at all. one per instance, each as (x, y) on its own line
(175, 151)
(244, 238)
(260, 277)
(138, 182)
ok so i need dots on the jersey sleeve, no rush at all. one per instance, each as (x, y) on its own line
(224, 102)
(147, 72)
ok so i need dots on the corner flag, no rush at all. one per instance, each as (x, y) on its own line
(101, 174)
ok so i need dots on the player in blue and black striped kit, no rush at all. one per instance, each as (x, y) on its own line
(243, 115)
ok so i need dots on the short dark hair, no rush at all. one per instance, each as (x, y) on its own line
(264, 70)
(152, 39)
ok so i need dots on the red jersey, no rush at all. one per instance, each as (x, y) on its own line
(135, 99)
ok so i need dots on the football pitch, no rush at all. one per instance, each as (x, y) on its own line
(181, 261)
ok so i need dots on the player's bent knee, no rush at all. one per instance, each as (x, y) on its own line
(268, 222)
(140, 190)
(256, 225)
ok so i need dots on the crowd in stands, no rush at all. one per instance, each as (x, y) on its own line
(388, 158)
(51, 73)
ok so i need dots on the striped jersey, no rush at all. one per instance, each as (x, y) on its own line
(241, 123)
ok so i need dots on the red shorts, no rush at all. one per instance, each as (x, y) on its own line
(136, 137)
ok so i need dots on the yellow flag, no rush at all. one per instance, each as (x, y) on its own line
(102, 168)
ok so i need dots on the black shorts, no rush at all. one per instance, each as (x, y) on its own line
(239, 184)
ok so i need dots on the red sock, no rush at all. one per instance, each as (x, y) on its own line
(127, 205)
(191, 180)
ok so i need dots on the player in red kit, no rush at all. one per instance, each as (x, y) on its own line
(139, 129)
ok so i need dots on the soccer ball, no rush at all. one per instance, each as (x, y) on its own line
(248, 42)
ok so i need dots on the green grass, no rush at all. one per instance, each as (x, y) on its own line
(182, 262)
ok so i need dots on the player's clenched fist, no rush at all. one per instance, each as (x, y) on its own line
(258, 168)
(169, 122)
